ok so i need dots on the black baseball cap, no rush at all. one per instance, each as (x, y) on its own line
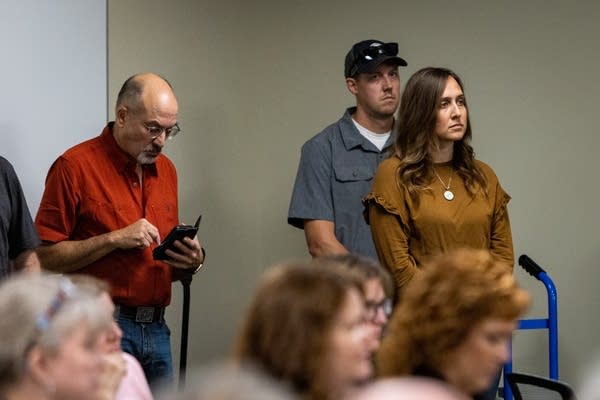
(367, 55)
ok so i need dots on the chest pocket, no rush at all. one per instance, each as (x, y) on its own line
(353, 173)
(351, 183)
(103, 216)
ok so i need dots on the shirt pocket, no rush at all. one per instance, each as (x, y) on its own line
(352, 173)
(103, 216)
(351, 184)
(164, 216)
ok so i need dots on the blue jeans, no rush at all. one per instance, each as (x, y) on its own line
(150, 343)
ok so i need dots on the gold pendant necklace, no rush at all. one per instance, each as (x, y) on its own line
(448, 195)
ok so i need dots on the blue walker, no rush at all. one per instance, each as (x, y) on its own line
(550, 323)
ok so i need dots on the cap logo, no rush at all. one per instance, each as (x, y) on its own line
(368, 54)
(375, 44)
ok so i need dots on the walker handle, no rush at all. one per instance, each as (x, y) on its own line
(530, 266)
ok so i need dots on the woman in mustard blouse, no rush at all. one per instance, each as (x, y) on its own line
(432, 195)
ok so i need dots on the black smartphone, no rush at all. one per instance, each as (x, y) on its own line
(177, 233)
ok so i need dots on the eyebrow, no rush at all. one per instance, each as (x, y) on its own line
(462, 95)
(155, 123)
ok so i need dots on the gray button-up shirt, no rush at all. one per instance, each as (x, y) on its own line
(335, 172)
(17, 231)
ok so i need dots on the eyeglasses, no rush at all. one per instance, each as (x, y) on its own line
(155, 131)
(66, 290)
(373, 308)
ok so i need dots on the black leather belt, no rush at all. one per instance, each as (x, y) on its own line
(140, 314)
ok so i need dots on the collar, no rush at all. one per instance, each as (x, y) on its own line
(122, 161)
(352, 137)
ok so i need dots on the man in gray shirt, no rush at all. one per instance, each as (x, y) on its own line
(338, 164)
(18, 238)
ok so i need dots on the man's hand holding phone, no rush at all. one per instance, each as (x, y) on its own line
(181, 248)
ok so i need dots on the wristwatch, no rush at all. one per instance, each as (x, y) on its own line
(202, 263)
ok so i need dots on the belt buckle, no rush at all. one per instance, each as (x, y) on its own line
(144, 314)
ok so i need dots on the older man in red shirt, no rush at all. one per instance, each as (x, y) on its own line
(106, 205)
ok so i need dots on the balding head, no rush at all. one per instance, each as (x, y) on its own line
(145, 101)
(131, 92)
(408, 388)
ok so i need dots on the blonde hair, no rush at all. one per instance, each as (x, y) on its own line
(442, 304)
(25, 301)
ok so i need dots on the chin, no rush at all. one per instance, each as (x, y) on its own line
(387, 112)
(483, 384)
(366, 371)
(453, 137)
(457, 135)
(146, 159)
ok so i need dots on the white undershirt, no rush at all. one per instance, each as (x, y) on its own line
(378, 139)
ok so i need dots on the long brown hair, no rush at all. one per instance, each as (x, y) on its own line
(416, 134)
(286, 330)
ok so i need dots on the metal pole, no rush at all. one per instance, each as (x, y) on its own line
(185, 320)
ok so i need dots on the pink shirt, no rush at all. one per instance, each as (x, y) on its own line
(134, 385)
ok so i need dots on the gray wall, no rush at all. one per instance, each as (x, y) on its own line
(53, 82)
(255, 79)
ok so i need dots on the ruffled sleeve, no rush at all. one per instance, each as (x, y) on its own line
(501, 244)
(388, 214)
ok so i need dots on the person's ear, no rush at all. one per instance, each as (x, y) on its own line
(352, 85)
(121, 115)
(39, 369)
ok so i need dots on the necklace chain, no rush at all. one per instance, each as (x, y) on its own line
(448, 195)
(447, 187)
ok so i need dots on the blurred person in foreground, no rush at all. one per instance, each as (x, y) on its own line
(377, 285)
(454, 322)
(123, 377)
(307, 327)
(48, 343)
(229, 382)
(408, 388)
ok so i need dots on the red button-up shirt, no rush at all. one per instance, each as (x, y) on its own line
(93, 189)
